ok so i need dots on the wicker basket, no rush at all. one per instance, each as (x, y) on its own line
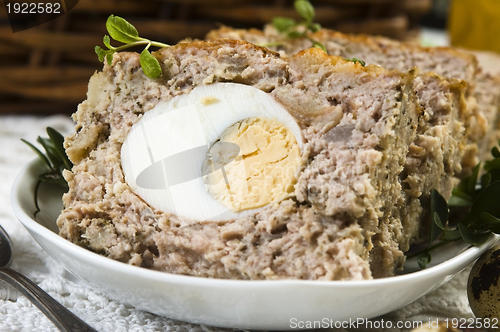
(46, 69)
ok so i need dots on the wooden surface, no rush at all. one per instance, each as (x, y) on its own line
(46, 69)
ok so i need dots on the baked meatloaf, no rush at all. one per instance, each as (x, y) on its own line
(482, 90)
(353, 210)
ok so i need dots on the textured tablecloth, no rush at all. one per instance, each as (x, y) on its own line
(100, 311)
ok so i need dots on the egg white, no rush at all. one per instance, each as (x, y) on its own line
(175, 133)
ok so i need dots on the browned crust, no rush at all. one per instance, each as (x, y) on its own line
(344, 65)
(378, 42)
(382, 43)
(214, 45)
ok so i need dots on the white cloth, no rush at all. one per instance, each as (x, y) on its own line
(98, 310)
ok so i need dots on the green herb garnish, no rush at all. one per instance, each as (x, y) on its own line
(475, 204)
(361, 62)
(122, 31)
(55, 160)
(293, 29)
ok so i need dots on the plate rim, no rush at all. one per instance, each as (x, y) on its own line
(469, 254)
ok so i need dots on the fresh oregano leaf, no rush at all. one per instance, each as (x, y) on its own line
(488, 218)
(438, 205)
(437, 220)
(437, 227)
(487, 201)
(106, 41)
(471, 237)
(423, 260)
(459, 193)
(282, 24)
(495, 152)
(314, 27)
(451, 235)
(293, 29)
(461, 189)
(467, 220)
(485, 180)
(356, 60)
(150, 64)
(121, 30)
(488, 221)
(495, 175)
(494, 228)
(456, 201)
(439, 215)
(109, 58)
(319, 45)
(101, 53)
(305, 9)
(465, 233)
(492, 164)
(471, 185)
(295, 34)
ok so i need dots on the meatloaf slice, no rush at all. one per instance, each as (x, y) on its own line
(350, 206)
(448, 133)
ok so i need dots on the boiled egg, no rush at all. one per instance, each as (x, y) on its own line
(220, 152)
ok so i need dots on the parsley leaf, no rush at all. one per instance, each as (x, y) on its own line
(122, 31)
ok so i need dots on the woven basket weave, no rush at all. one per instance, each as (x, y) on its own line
(46, 69)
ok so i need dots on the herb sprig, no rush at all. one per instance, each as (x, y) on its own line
(293, 29)
(122, 31)
(472, 213)
(356, 60)
(54, 159)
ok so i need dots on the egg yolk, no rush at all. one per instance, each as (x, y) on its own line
(262, 171)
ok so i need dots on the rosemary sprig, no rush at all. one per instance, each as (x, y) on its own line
(292, 29)
(55, 161)
(122, 31)
(472, 213)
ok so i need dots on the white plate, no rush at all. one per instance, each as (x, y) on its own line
(270, 305)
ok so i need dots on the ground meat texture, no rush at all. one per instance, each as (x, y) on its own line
(459, 124)
(481, 90)
(352, 215)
